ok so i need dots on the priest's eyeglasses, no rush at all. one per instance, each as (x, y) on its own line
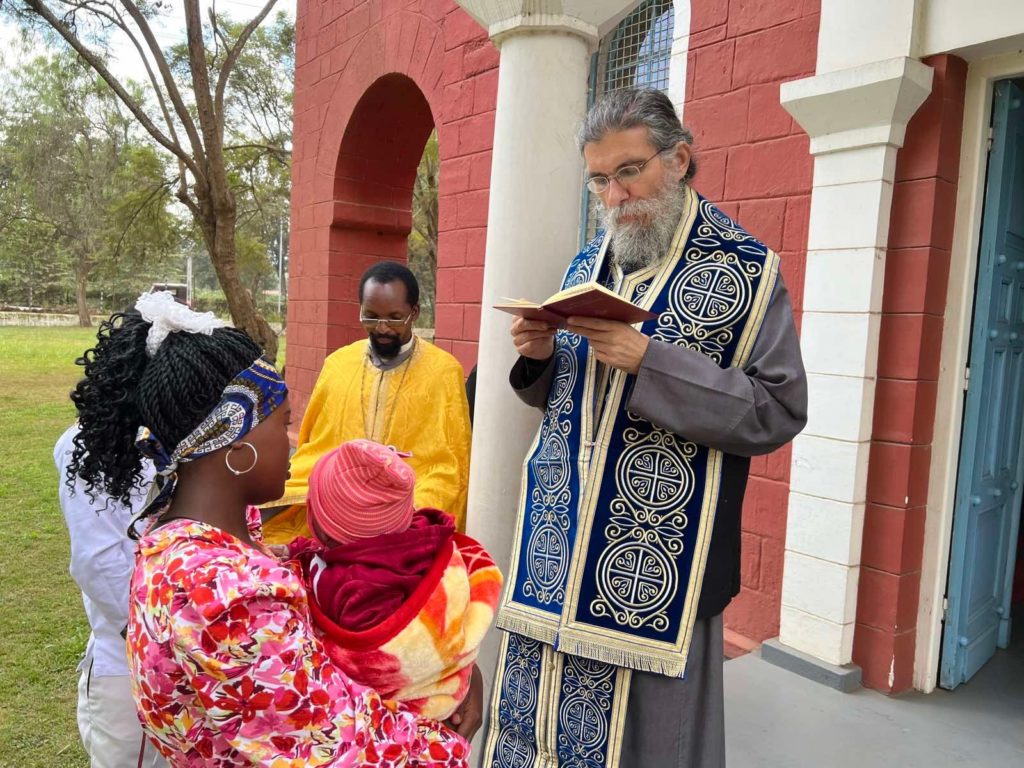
(627, 174)
(371, 323)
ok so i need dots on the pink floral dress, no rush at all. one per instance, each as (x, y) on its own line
(226, 670)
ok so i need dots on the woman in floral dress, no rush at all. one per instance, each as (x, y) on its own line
(226, 669)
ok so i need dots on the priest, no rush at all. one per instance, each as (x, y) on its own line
(392, 388)
(627, 547)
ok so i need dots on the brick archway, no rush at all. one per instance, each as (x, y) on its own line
(369, 89)
(372, 193)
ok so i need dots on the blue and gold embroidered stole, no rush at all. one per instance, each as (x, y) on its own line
(616, 513)
(552, 710)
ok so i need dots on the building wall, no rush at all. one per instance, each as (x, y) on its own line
(352, 166)
(754, 160)
(372, 79)
(913, 308)
(977, 28)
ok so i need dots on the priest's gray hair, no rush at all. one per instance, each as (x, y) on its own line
(633, 107)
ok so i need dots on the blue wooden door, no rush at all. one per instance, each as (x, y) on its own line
(988, 495)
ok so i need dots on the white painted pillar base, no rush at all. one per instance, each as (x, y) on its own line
(857, 121)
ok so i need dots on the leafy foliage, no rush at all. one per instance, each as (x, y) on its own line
(85, 199)
(423, 237)
(218, 105)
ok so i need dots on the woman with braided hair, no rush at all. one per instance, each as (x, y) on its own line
(225, 667)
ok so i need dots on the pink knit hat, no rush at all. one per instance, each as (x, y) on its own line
(359, 490)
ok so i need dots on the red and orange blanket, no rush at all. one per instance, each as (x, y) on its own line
(405, 613)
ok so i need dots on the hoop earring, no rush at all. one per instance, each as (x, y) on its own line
(237, 472)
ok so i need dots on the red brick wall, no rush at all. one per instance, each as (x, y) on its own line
(372, 79)
(754, 161)
(753, 158)
(913, 305)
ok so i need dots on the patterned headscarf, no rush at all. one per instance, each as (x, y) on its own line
(248, 399)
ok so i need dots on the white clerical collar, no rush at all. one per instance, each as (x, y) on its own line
(387, 364)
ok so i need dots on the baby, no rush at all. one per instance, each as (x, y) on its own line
(402, 599)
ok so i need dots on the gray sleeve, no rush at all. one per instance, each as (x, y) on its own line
(531, 380)
(744, 412)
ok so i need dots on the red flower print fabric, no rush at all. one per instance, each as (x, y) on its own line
(227, 671)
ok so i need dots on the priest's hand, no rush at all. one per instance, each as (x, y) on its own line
(467, 719)
(616, 344)
(533, 338)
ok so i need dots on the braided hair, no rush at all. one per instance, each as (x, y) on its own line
(123, 389)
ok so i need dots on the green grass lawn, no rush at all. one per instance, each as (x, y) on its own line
(43, 630)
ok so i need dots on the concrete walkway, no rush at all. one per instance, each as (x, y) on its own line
(776, 719)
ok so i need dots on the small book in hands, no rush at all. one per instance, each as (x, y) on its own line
(586, 300)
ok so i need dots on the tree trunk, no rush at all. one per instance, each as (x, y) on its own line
(219, 232)
(84, 318)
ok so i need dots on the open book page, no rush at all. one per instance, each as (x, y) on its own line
(531, 311)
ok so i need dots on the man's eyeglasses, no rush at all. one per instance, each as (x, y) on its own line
(371, 323)
(626, 175)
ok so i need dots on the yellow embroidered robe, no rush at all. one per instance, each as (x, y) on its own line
(419, 407)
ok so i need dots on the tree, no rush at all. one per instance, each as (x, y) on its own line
(32, 271)
(423, 237)
(82, 193)
(260, 172)
(190, 124)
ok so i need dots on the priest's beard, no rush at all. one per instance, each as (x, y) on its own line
(644, 240)
(386, 345)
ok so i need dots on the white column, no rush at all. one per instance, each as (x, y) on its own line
(532, 230)
(677, 60)
(856, 119)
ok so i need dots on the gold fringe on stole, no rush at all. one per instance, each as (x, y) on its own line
(620, 655)
(512, 621)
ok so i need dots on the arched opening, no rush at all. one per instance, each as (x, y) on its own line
(423, 237)
(373, 191)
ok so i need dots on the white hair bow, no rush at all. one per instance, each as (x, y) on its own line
(167, 316)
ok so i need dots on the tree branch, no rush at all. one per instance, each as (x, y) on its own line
(267, 149)
(236, 51)
(172, 89)
(210, 121)
(42, 10)
(135, 214)
(118, 20)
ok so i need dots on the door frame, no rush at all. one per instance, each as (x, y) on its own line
(981, 78)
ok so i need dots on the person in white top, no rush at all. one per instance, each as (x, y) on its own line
(102, 559)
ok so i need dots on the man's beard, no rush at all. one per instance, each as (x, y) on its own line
(386, 347)
(644, 241)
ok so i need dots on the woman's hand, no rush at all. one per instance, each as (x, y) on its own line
(468, 718)
(280, 551)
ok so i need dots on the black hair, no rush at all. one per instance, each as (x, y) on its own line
(385, 272)
(124, 389)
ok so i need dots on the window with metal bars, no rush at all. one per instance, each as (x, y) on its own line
(633, 55)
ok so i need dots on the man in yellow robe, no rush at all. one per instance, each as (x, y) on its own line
(394, 388)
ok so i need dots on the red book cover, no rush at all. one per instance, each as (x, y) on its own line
(587, 300)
